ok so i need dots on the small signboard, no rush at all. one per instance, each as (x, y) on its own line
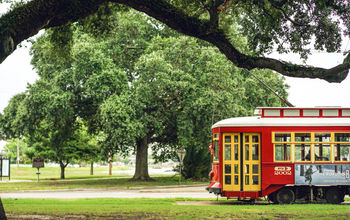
(38, 162)
(5, 167)
(5, 171)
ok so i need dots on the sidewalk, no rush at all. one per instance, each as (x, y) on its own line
(197, 191)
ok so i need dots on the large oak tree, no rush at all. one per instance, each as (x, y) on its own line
(292, 26)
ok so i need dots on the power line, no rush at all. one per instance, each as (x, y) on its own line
(270, 89)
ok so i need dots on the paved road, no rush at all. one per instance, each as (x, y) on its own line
(158, 192)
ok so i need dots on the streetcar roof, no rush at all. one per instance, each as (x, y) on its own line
(257, 121)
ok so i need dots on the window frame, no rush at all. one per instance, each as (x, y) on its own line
(332, 143)
(339, 142)
(274, 143)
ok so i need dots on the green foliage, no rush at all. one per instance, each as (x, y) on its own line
(136, 81)
(11, 125)
(25, 152)
(186, 86)
(119, 125)
(125, 34)
(78, 145)
(291, 26)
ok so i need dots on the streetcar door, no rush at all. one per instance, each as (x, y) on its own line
(251, 162)
(231, 162)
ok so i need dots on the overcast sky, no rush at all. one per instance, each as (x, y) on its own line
(315, 92)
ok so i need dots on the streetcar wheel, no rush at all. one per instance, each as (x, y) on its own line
(285, 196)
(272, 197)
(334, 196)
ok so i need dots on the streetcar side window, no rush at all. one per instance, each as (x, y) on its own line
(342, 137)
(282, 146)
(322, 152)
(302, 137)
(322, 147)
(342, 147)
(282, 152)
(282, 137)
(302, 152)
(342, 152)
(322, 137)
(311, 146)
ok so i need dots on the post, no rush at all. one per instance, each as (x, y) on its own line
(17, 152)
(180, 173)
(38, 173)
(1, 167)
(9, 167)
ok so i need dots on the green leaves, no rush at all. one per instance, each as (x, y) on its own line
(136, 84)
(184, 87)
(11, 124)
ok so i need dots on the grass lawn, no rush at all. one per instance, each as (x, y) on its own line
(92, 183)
(165, 209)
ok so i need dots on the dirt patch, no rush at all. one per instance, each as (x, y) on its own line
(116, 216)
(45, 217)
(199, 203)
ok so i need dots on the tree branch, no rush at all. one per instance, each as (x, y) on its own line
(278, 7)
(197, 28)
(25, 21)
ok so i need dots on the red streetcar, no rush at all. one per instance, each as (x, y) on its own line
(283, 153)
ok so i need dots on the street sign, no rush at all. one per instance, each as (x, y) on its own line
(38, 162)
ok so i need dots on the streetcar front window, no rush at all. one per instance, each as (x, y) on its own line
(216, 147)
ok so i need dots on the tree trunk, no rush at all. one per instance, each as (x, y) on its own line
(110, 165)
(2, 211)
(63, 166)
(92, 168)
(141, 169)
